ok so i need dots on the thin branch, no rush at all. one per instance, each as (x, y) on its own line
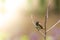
(33, 20)
(53, 26)
(46, 19)
(45, 26)
(47, 14)
(42, 33)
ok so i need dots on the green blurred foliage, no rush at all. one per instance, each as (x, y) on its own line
(42, 7)
(57, 5)
(42, 2)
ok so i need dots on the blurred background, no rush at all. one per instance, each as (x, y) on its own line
(16, 22)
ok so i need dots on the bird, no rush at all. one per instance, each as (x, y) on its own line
(38, 26)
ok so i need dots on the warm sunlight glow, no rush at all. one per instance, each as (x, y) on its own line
(8, 10)
(11, 15)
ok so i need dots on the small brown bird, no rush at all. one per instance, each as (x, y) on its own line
(38, 26)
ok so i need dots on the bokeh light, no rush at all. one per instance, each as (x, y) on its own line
(3, 36)
(55, 33)
(34, 36)
(49, 38)
(24, 37)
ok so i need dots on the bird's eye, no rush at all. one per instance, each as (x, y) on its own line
(37, 23)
